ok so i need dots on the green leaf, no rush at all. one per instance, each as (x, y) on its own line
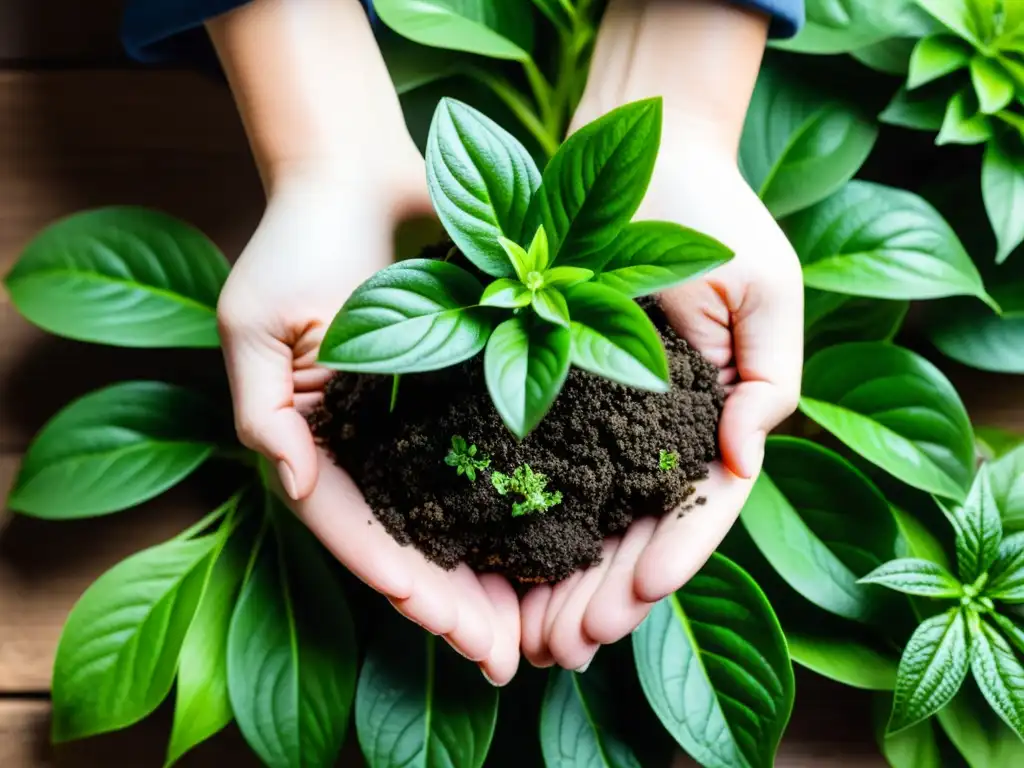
(932, 669)
(821, 524)
(1002, 186)
(978, 733)
(956, 15)
(119, 649)
(845, 659)
(480, 179)
(561, 13)
(714, 666)
(896, 410)
(935, 57)
(291, 651)
(1012, 630)
(999, 673)
(993, 86)
(919, 111)
(499, 30)
(1006, 580)
(916, 577)
(841, 26)
(971, 333)
(995, 442)
(550, 304)
(116, 448)
(596, 181)
(1006, 477)
(963, 123)
(540, 250)
(978, 527)
(525, 366)
(800, 145)
(566, 277)
(123, 276)
(518, 257)
(915, 747)
(650, 256)
(575, 728)
(916, 540)
(614, 338)
(414, 316)
(506, 293)
(420, 704)
(832, 318)
(202, 705)
(412, 66)
(891, 56)
(881, 242)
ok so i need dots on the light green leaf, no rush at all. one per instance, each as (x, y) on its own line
(841, 26)
(540, 251)
(833, 318)
(506, 293)
(1006, 476)
(566, 277)
(614, 338)
(891, 56)
(525, 366)
(992, 85)
(123, 276)
(963, 123)
(561, 13)
(896, 410)
(116, 448)
(800, 145)
(915, 747)
(982, 738)
(414, 316)
(957, 16)
(935, 57)
(1012, 630)
(291, 651)
(916, 540)
(499, 30)
(996, 442)
(714, 666)
(999, 673)
(932, 669)
(549, 304)
(650, 256)
(420, 704)
(1002, 186)
(518, 257)
(978, 528)
(881, 242)
(916, 577)
(119, 649)
(845, 659)
(481, 180)
(596, 181)
(920, 111)
(1006, 582)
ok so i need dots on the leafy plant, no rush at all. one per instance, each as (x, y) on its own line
(464, 458)
(531, 486)
(667, 460)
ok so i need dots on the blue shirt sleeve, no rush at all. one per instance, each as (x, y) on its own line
(161, 30)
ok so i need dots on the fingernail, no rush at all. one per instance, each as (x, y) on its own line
(288, 480)
(585, 667)
(488, 678)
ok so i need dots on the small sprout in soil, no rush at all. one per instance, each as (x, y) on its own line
(528, 484)
(464, 459)
(668, 460)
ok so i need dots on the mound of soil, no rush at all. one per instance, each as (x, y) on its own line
(599, 446)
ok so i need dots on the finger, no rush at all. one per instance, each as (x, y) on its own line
(727, 376)
(568, 642)
(559, 594)
(681, 544)
(260, 373)
(533, 611)
(752, 410)
(473, 635)
(432, 603)
(700, 315)
(501, 665)
(615, 610)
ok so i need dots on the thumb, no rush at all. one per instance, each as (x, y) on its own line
(752, 410)
(262, 389)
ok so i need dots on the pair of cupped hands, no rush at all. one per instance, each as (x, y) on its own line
(329, 225)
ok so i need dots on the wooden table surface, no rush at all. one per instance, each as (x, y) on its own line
(80, 127)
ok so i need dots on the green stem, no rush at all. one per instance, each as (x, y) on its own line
(228, 506)
(520, 107)
(237, 454)
(542, 92)
(394, 393)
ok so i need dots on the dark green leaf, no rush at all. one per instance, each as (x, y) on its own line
(119, 649)
(999, 673)
(116, 448)
(614, 338)
(799, 144)
(841, 26)
(891, 56)
(921, 111)
(992, 85)
(650, 256)
(420, 704)
(596, 181)
(881, 242)
(561, 13)
(916, 577)
(291, 651)
(936, 56)
(413, 66)
(916, 540)
(978, 529)
(963, 123)
(1006, 580)
(550, 304)
(575, 729)
(414, 316)
(1006, 476)
(932, 669)
(713, 664)
(506, 292)
(1002, 186)
(915, 747)
(525, 366)
(833, 318)
(499, 30)
(123, 276)
(896, 410)
(971, 333)
(480, 180)
(981, 737)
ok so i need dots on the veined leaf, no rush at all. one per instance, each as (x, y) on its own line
(550, 305)
(1006, 476)
(999, 673)
(834, 318)
(916, 577)
(507, 293)
(1002, 186)
(978, 733)
(1006, 580)
(978, 527)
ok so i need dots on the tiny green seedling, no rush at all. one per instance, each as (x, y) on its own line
(668, 460)
(528, 484)
(464, 458)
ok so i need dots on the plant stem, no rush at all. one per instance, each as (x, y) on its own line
(237, 454)
(228, 506)
(394, 392)
(519, 106)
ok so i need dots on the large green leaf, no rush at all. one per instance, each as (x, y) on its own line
(896, 410)
(116, 448)
(500, 30)
(714, 666)
(421, 705)
(1002, 186)
(971, 333)
(845, 658)
(822, 525)
(291, 651)
(919, 110)
(525, 365)
(650, 256)
(481, 180)
(834, 318)
(575, 724)
(983, 739)
(915, 747)
(414, 316)
(999, 673)
(596, 181)
(614, 338)
(957, 15)
(979, 529)
(841, 26)
(891, 56)
(914, 576)
(881, 242)
(123, 276)
(119, 649)
(799, 144)
(1006, 475)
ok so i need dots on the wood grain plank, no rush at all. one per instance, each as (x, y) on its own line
(60, 31)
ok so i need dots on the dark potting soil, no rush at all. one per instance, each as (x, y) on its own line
(600, 446)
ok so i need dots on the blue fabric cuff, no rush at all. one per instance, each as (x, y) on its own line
(787, 15)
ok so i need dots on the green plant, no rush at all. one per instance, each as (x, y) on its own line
(464, 458)
(667, 460)
(562, 261)
(531, 486)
